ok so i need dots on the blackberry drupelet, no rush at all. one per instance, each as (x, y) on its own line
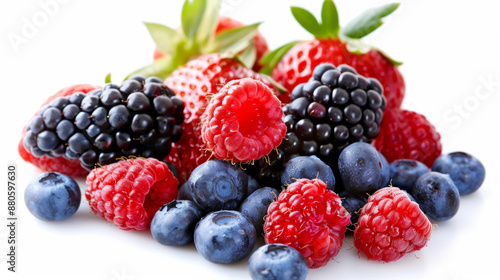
(335, 108)
(140, 117)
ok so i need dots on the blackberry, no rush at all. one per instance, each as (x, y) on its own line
(335, 108)
(140, 117)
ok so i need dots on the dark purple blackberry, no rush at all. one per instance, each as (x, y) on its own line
(140, 117)
(335, 108)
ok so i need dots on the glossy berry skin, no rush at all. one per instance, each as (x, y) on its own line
(70, 167)
(128, 193)
(307, 167)
(298, 64)
(361, 168)
(390, 226)
(335, 108)
(405, 172)
(310, 218)
(217, 184)
(353, 204)
(277, 262)
(256, 204)
(466, 171)
(52, 196)
(174, 223)
(141, 117)
(243, 121)
(193, 83)
(386, 170)
(437, 195)
(408, 135)
(224, 236)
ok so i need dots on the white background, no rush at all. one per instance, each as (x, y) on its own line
(450, 51)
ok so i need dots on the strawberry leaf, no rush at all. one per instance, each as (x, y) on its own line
(233, 40)
(107, 80)
(330, 19)
(307, 21)
(192, 14)
(208, 22)
(165, 38)
(247, 56)
(368, 21)
(271, 59)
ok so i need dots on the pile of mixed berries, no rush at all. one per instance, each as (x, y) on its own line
(299, 146)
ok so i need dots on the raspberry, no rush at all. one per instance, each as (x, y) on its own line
(243, 121)
(408, 135)
(70, 167)
(129, 192)
(309, 218)
(390, 225)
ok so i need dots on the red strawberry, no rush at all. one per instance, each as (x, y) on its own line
(203, 31)
(390, 225)
(293, 63)
(408, 135)
(243, 121)
(71, 168)
(194, 82)
(128, 193)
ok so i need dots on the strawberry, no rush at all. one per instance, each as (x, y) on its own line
(227, 23)
(194, 82)
(203, 31)
(405, 134)
(293, 63)
(60, 164)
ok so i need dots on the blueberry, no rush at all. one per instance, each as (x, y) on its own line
(277, 262)
(361, 168)
(437, 195)
(217, 184)
(224, 236)
(253, 185)
(52, 196)
(255, 206)
(466, 171)
(184, 193)
(174, 223)
(307, 167)
(353, 204)
(405, 172)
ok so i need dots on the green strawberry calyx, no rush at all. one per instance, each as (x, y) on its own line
(329, 29)
(196, 37)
